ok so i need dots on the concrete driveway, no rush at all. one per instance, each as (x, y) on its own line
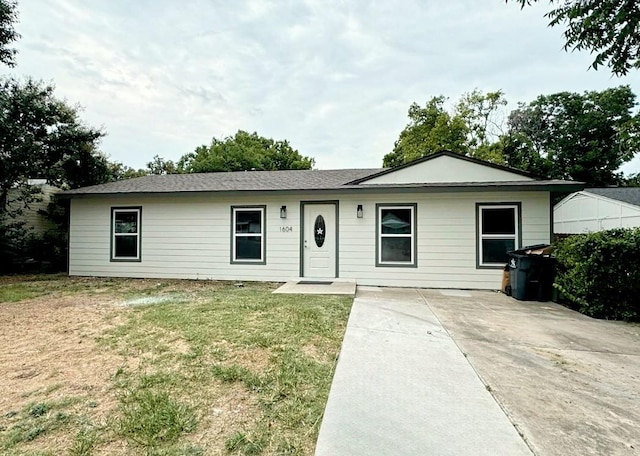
(403, 388)
(569, 383)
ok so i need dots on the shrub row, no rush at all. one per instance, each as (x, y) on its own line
(599, 273)
(26, 253)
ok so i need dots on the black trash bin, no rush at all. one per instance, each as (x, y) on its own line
(531, 273)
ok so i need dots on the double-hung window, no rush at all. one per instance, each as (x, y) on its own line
(498, 232)
(125, 233)
(396, 235)
(248, 234)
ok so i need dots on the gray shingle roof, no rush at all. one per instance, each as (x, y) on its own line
(304, 180)
(231, 181)
(629, 195)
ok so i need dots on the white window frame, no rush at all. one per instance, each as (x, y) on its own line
(114, 235)
(481, 236)
(412, 207)
(234, 235)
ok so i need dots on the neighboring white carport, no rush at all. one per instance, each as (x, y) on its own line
(597, 209)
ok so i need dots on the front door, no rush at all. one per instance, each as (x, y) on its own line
(319, 241)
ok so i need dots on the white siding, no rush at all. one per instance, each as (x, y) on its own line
(446, 240)
(182, 237)
(446, 169)
(189, 237)
(584, 212)
(35, 222)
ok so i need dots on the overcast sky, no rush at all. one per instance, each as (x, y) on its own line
(335, 78)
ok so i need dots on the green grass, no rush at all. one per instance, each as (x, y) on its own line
(18, 292)
(292, 342)
(237, 350)
(151, 418)
(84, 442)
(18, 288)
(36, 420)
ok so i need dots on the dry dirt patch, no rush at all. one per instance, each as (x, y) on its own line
(101, 356)
(49, 351)
(50, 354)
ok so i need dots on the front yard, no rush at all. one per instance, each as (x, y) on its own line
(161, 367)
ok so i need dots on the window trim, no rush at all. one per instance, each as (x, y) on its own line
(262, 234)
(138, 234)
(414, 235)
(517, 237)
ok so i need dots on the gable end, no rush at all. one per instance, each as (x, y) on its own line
(407, 172)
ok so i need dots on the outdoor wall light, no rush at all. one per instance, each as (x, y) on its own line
(283, 212)
(359, 212)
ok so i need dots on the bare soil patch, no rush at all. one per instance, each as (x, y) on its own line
(83, 360)
(49, 351)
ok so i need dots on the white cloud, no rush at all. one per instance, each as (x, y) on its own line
(335, 78)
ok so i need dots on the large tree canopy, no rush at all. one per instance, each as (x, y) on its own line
(585, 137)
(430, 129)
(8, 34)
(484, 116)
(470, 129)
(40, 137)
(608, 28)
(243, 152)
(43, 137)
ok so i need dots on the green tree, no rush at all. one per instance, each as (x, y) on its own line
(43, 137)
(118, 171)
(484, 115)
(585, 137)
(519, 151)
(632, 181)
(8, 17)
(81, 165)
(430, 129)
(161, 166)
(40, 137)
(608, 28)
(243, 152)
(473, 129)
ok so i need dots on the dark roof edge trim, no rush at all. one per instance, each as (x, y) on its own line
(551, 187)
(446, 153)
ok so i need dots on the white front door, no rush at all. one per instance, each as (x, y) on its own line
(319, 241)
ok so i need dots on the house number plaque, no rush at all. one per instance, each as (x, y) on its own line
(286, 229)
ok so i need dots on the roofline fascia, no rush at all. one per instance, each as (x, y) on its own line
(568, 187)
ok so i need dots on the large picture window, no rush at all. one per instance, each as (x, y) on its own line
(125, 234)
(396, 235)
(498, 232)
(247, 244)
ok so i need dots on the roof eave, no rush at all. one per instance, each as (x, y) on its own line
(549, 186)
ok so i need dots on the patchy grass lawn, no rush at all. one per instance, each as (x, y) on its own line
(113, 366)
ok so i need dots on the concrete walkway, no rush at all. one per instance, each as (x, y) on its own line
(402, 387)
(321, 286)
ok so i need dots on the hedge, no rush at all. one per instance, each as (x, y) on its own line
(599, 273)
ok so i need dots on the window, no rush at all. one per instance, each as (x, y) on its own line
(396, 235)
(498, 232)
(125, 230)
(247, 235)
